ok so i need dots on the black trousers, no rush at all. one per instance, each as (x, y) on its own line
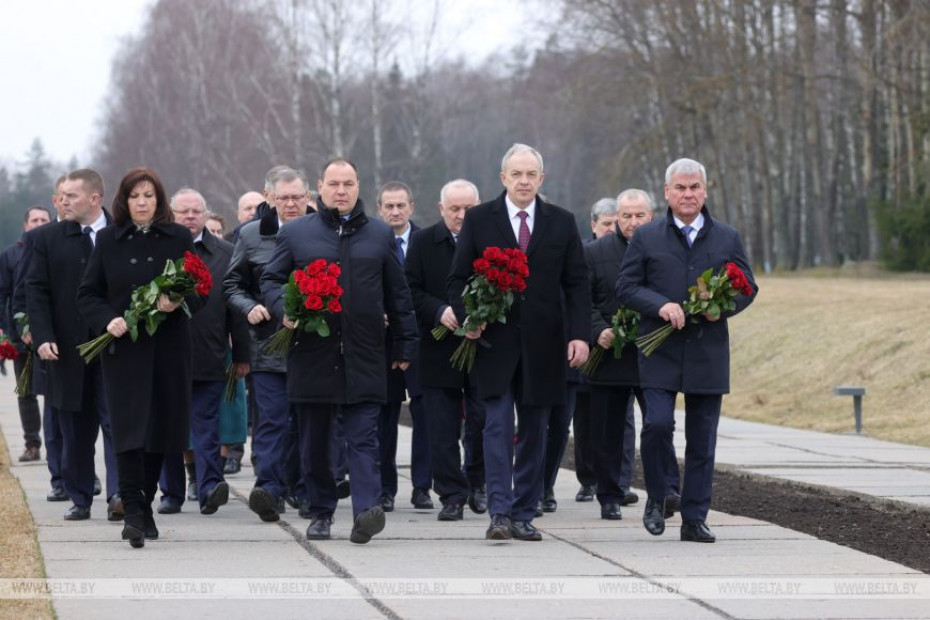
(584, 441)
(446, 407)
(28, 409)
(609, 406)
(138, 478)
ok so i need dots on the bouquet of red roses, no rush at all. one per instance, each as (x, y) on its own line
(7, 349)
(184, 276)
(625, 326)
(309, 294)
(488, 296)
(711, 295)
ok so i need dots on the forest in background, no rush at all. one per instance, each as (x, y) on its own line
(811, 116)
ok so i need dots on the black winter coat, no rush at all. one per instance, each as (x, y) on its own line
(216, 323)
(532, 342)
(658, 268)
(429, 259)
(148, 381)
(604, 257)
(59, 257)
(348, 366)
(242, 286)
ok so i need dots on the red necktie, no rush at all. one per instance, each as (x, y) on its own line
(524, 238)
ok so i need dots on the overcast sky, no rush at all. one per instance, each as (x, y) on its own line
(56, 56)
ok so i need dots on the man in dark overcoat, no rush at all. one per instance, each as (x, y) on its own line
(446, 390)
(345, 369)
(664, 258)
(60, 253)
(522, 361)
(212, 329)
(274, 432)
(615, 381)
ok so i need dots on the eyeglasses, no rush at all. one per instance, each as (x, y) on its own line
(286, 199)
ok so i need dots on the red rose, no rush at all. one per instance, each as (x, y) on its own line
(203, 288)
(492, 275)
(334, 306)
(504, 280)
(519, 284)
(492, 254)
(480, 265)
(316, 267)
(334, 270)
(313, 302)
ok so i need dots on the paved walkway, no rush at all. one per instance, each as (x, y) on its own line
(230, 565)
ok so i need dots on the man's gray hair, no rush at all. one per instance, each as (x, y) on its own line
(288, 176)
(636, 194)
(518, 148)
(685, 166)
(604, 206)
(188, 191)
(458, 183)
(272, 175)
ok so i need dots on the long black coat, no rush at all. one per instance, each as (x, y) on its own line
(658, 268)
(148, 381)
(533, 339)
(59, 256)
(347, 367)
(604, 257)
(429, 259)
(9, 259)
(216, 323)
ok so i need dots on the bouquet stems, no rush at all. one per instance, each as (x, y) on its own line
(654, 339)
(439, 332)
(229, 390)
(90, 350)
(280, 342)
(24, 380)
(594, 360)
(464, 356)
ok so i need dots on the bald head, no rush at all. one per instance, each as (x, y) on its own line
(247, 204)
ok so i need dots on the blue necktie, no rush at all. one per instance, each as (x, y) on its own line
(399, 248)
(686, 230)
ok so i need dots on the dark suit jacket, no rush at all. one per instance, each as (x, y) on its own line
(59, 257)
(402, 382)
(530, 347)
(658, 268)
(216, 323)
(427, 268)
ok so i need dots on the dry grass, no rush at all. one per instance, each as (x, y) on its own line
(805, 335)
(19, 549)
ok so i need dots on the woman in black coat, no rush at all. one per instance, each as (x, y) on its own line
(147, 382)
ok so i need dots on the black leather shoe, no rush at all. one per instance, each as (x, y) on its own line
(343, 489)
(168, 506)
(524, 530)
(31, 453)
(549, 504)
(216, 497)
(304, 511)
(387, 503)
(653, 518)
(149, 531)
(421, 499)
(281, 506)
(134, 533)
(264, 504)
(97, 488)
(672, 505)
(478, 501)
(367, 524)
(629, 498)
(77, 513)
(57, 494)
(115, 511)
(539, 509)
(192, 490)
(586, 493)
(611, 511)
(452, 512)
(292, 500)
(499, 529)
(319, 527)
(697, 531)
(233, 466)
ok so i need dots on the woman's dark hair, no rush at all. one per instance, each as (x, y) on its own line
(120, 208)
